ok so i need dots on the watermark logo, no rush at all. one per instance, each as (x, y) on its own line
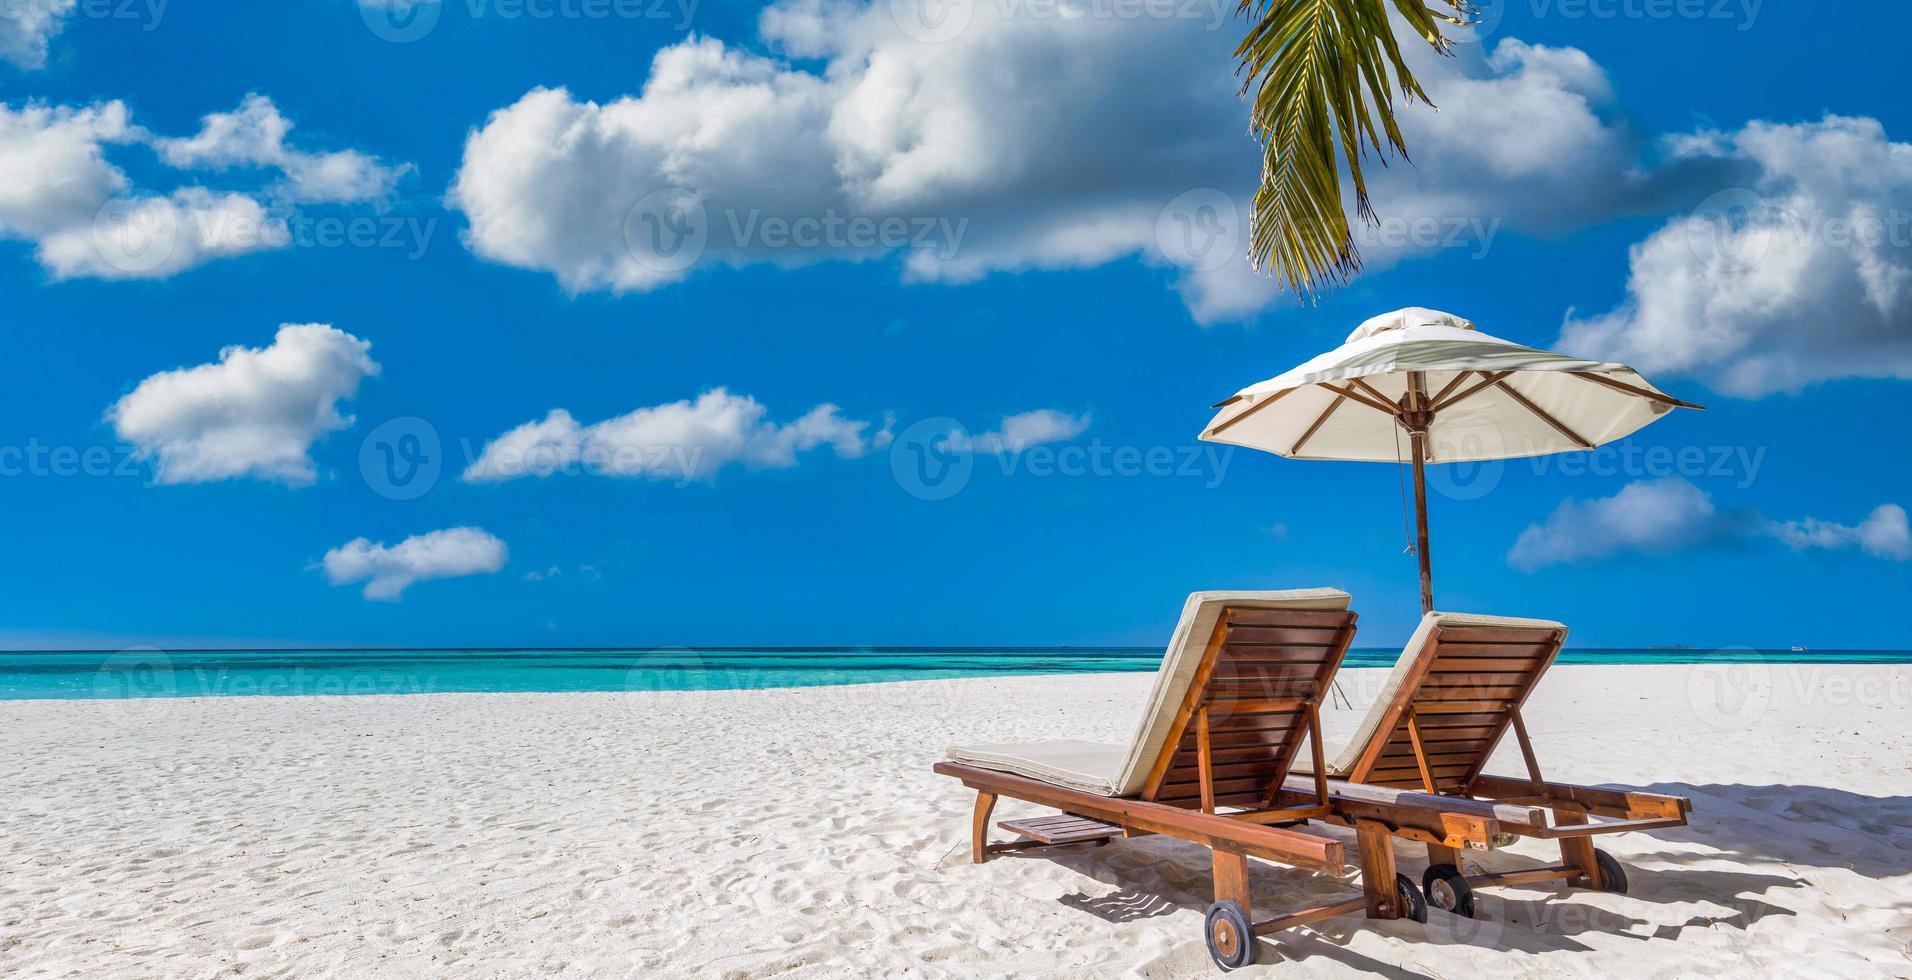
(1731, 229)
(400, 21)
(123, 680)
(1470, 477)
(666, 230)
(135, 234)
(927, 459)
(1731, 694)
(932, 21)
(668, 669)
(402, 458)
(1200, 229)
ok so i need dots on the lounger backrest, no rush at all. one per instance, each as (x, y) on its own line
(1459, 680)
(1252, 662)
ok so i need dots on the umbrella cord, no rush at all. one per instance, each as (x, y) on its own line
(1400, 477)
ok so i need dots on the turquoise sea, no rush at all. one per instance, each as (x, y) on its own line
(177, 673)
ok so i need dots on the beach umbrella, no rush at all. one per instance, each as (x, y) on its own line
(1420, 386)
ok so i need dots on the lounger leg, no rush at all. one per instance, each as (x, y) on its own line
(979, 827)
(1577, 852)
(1231, 880)
(1377, 868)
(1442, 854)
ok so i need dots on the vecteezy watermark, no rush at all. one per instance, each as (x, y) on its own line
(401, 459)
(141, 233)
(1733, 230)
(925, 463)
(935, 458)
(1471, 477)
(1487, 18)
(146, 13)
(405, 21)
(1472, 233)
(38, 459)
(936, 21)
(1739, 13)
(1733, 693)
(669, 229)
(1201, 229)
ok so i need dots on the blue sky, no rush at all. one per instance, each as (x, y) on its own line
(1034, 295)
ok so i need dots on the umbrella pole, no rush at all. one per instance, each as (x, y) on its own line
(1420, 521)
(1419, 419)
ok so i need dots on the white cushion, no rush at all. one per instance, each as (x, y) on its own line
(1121, 770)
(1092, 767)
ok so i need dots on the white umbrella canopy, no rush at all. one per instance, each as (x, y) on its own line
(1423, 386)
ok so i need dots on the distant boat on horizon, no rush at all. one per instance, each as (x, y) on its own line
(1798, 649)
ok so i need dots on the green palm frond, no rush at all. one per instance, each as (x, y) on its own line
(1324, 75)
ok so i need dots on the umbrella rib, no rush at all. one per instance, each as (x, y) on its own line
(1380, 406)
(1372, 391)
(1631, 390)
(1250, 410)
(1544, 417)
(1487, 381)
(1295, 450)
(1450, 386)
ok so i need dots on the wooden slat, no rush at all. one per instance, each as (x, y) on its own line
(1280, 636)
(1434, 757)
(1257, 738)
(1459, 719)
(1238, 617)
(1233, 669)
(1451, 635)
(1468, 691)
(1063, 829)
(1261, 690)
(1223, 787)
(1447, 665)
(1283, 722)
(1229, 755)
(1526, 650)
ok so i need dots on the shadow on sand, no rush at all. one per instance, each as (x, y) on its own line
(1788, 833)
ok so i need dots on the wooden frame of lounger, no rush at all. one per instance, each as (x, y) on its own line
(1463, 692)
(1254, 697)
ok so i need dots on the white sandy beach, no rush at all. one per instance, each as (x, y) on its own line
(801, 832)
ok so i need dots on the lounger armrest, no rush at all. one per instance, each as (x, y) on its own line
(1619, 804)
(1209, 829)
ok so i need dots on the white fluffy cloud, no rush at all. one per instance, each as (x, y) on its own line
(1798, 277)
(1884, 534)
(1020, 431)
(1023, 141)
(1661, 516)
(683, 440)
(59, 191)
(1652, 516)
(388, 571)
(253, 413)
(27, 27)
(254, 134)
(152, 237)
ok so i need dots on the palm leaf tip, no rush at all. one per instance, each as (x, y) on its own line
(1321, 77)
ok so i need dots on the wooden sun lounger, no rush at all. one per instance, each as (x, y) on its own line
(1220, 778)
(1455, 694)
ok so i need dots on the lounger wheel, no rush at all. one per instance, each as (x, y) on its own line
(1613, 878)
(1413, 906)
(1447, 889)
(1231, 939)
